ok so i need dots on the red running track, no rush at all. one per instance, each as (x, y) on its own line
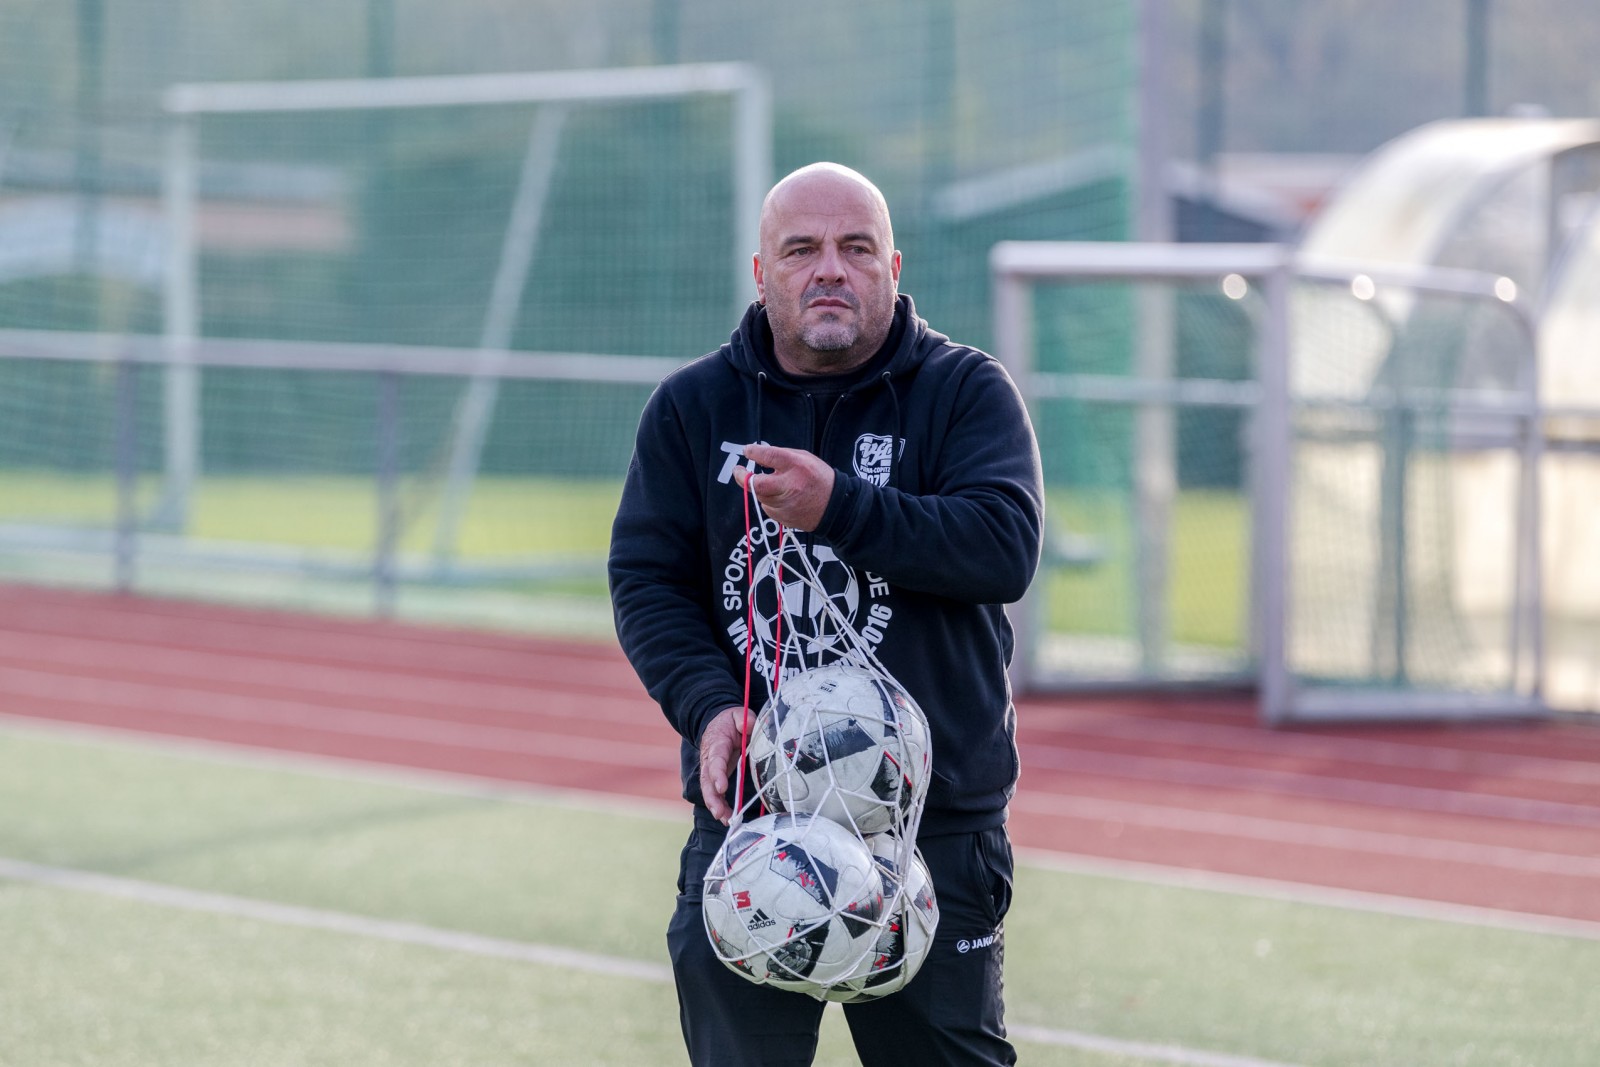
(1503, 816)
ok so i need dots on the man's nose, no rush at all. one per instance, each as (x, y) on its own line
(830, 264)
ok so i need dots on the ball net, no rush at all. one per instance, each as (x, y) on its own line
(819, 887)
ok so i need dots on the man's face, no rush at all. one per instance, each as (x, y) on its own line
(827, 273)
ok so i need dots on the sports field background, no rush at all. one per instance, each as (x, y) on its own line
(260, 814)
(605, 231)
(235, 836)
(117, 974)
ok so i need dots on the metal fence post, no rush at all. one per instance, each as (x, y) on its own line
(126, 464)
(388, 472)
(1013, 347)
(1273, 441)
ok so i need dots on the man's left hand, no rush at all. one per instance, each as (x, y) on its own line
(719, 755)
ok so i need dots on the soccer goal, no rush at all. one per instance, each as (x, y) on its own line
(1318, 479)
(594, 182)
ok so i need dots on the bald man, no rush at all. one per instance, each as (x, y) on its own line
(906, 463)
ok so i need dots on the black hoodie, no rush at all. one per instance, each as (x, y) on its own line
(934, 523)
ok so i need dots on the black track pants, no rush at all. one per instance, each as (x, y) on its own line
(950, 1014)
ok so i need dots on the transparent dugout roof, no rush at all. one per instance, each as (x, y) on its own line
(1496, 195)
(1405, 202)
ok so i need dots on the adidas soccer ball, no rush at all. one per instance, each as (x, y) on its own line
(794, 901)
(907, 930)
(845, 743)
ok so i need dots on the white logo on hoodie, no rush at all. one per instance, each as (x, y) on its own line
(873, 457)
(804, 619)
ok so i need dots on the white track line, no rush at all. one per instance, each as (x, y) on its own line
(1304, 893)
(328, 718)
(1140, 1050)
(296, 639)
(333, 718)
(1346, 790)
(350, 769)
(340, 768)
(1279, 831)
(335, 921)
(1373, 751)
(500, 948)
(195, 670)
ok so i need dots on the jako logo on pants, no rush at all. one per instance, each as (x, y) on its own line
(964, 946)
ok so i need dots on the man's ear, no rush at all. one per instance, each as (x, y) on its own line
(761, 285)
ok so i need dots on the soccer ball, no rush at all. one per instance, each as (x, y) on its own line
(845, 743)
(907, 930)
(794, 901)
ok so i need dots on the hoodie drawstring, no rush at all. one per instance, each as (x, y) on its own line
(761, 392)
(894, 438)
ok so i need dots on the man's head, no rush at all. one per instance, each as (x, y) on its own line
(828, 270)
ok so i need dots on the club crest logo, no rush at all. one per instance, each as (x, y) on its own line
(874, 456)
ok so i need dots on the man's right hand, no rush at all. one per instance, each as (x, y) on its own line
(719, 755)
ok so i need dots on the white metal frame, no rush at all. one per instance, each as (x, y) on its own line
(1015, 268)
(185, 104)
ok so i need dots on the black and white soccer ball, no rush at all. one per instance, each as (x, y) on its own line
(908, 926)
(794, 901)
(810, 608)
(843, 742)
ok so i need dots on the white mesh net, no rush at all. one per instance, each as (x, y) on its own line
(819, 887)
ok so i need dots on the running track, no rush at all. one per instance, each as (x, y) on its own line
(1503, 816)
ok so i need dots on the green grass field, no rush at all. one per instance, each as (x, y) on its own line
(505, 515)
(100, 976)
(566, 519)
(1208, 578)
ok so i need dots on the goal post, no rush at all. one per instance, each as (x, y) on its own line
(1384, 410)
(1019, 269)
(555, 93)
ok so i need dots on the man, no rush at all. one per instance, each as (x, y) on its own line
(909, 468)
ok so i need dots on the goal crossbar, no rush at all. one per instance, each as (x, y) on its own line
(186, 104)
(616, 84)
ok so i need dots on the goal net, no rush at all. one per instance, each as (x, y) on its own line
(581, 211)
(1316, 479)
(522, 255)
(1412, 507)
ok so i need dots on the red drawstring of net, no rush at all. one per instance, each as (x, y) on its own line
(750, 639)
